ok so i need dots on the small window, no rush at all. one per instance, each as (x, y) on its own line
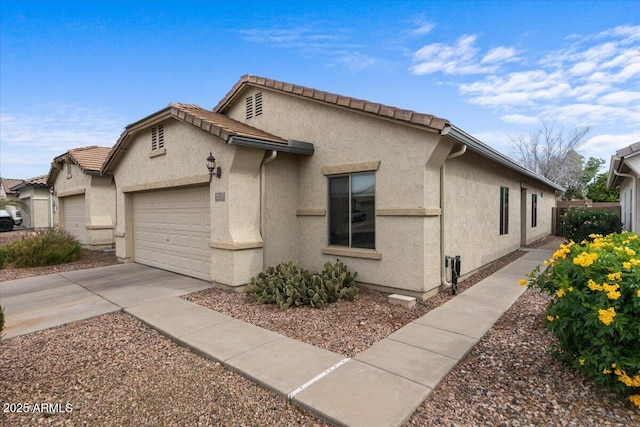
(504, 210)
(249, 107)
(69, 168)
(534, 210)
(352, 210)
(157, 137)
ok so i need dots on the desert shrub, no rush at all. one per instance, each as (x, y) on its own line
(595, 310)
(44, 247)
(289, 285)
(3, 253)
(579, 223)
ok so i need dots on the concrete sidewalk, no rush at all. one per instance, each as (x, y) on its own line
(386, 383)
(38, 303)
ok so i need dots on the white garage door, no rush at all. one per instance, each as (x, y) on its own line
(75, 220)
(171, 230)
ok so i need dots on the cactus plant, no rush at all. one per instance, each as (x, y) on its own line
(289, 285)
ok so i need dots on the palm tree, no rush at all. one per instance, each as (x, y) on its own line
(16, 203)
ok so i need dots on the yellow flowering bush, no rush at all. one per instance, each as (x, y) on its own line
(595, 310)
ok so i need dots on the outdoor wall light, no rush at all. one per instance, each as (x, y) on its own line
(211, 165)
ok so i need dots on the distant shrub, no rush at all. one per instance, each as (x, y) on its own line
(579, 223)
(289, 285)
(44, 247)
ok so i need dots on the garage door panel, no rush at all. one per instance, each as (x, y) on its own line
(75, 216)
(172, 230)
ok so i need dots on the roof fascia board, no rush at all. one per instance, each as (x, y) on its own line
(478, 146)
(294, 147)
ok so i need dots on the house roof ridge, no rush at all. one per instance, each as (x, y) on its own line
(631, 149)
(351, 103)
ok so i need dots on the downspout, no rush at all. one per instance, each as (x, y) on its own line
(443, 269)
(263, 195)
(634, 201)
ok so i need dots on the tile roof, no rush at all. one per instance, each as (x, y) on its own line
(89, 158)
(407, 116)
(633, 148)
(219, 124)
(36, 181)
(215, 123)
(8, 183)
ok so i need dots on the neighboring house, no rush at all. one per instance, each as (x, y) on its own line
(312, 176)
(85, 199)
(624, 172)
(35, 194)
(5, 188)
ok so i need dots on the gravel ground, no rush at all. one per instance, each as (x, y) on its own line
(347, 328)
(123, 373)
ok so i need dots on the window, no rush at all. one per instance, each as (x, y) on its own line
(504, 210)
(352, 210)
(69, 169)
(534, 210)
(157, 137)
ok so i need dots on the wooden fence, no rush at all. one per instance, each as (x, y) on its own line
(562, 206)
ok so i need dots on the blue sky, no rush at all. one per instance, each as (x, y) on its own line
(75, 73)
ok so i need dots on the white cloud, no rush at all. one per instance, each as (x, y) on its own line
(459, 58)
(520, 119)
(30, 139)
(500, 54)
(605, 145)
(424, 28)
(593, 81)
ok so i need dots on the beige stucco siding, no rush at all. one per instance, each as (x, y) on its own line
(38, 213)
(279, 222)
(235, 242)
(472, 210)
(99, 193)
(343, 138)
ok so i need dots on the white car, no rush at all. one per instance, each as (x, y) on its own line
(9, 218)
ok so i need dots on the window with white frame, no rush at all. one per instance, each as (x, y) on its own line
(504, 210)
(352, 210)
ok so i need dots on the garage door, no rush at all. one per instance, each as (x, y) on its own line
(171, 230)
(75, 221)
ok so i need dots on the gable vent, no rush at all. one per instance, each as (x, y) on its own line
(249, 107)
(157, 137)
(258, 99)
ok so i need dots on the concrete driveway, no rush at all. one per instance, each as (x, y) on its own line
(42, 302)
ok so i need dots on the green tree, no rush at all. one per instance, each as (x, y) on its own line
(598, 191)
(587, 175)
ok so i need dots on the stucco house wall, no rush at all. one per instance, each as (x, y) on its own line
(38, 213)
(79, 178)
(624, 172)
(404, 180)
(271, 203)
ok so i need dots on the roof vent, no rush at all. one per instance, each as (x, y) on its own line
(157, 137)
(249, 107)
(258, 99)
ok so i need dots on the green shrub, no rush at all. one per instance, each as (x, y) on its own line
(44, 247)
(595, 310)
(289, 285)
(579, 223)
(3, 254)
(1, 321)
